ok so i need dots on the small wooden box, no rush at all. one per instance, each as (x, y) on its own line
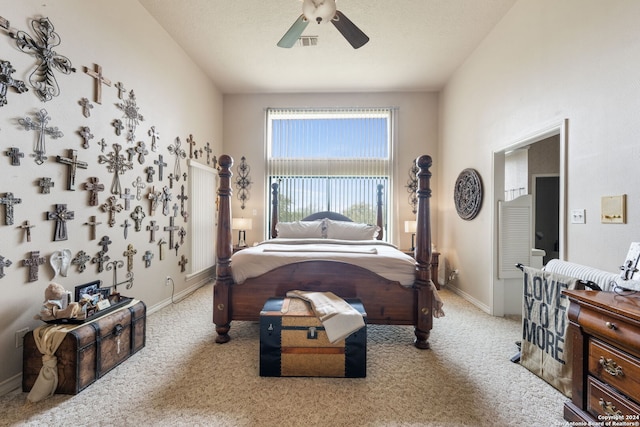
(293, 343)
(89, 350)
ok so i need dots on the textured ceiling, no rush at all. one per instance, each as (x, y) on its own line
(415, 44)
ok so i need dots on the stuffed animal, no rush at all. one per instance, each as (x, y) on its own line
(56, 305)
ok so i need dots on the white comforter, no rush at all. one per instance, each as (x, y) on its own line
(380, 257)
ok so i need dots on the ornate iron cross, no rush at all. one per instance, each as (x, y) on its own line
(45, 184)
(155, 136)
(8, 201)
(155, 197)
(105, 242)
(93, 187)
(138, 185)
(191, 143)
(127, 196)
(152, 228)
(161, 165)
(112, 207)
(40, 126)
(100, 259)
(177, 151)
(182, 198)
(166, 198)
(73, 164)
(171, 228)
(33, 262)
(137, 216)
(131, 115)
(6, 81)
(16, 155)
(81, 260)
(61, 215)
(183, 261)
(3, 263)
(148, 255)
(85, 133)
(208, 149)
(129, 253)
(117, 164)
(42, 78)
(86, 107)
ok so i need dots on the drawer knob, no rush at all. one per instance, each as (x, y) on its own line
(609, 408)
(611, 326)
(611, 367)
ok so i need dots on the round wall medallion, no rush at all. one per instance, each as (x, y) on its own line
(468, 194)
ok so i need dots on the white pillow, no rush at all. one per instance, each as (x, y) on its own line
(301, 229)
(351, 230)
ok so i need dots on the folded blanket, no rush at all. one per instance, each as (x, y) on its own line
(338, 317)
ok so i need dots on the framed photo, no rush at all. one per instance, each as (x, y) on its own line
(91, 288)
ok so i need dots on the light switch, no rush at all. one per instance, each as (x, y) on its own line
(577, 216)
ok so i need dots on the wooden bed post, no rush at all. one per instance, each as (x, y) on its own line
(224, 246)
(380, 222)
(274, 209)
(424, 315)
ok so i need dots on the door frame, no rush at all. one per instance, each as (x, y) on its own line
(556, 128)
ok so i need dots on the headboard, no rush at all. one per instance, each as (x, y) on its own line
(335, 216)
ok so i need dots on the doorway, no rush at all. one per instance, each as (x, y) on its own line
(506, 288)
(546, 215)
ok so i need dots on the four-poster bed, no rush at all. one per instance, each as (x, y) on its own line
(386, 301)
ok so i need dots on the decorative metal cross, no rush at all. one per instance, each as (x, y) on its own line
(42, 78)
(27, 228)
(3, 263)
(148, 255)
(121, 89)
(171, 228)
(105, 242)
(15, 155)
(137, 216)
(127, 196)
(93, 187)
(141, 150)
(6, 81)
(171, 179)
(100, 80)
(8, 201)
(40, 126)
(208, 149)
(131, 115)
(191, 143)
(182, 233)
(161, 165)
(115, 265)
(117, 164)
(85, 133)
(166, 198)
(86, 107)
(182, 198)
(117, 124)
(129, 253)
(61, 215)
(152, 228)
(131, 151)
(73, 164)
(155, 197)
(150, 172)
(112, 207)
(33, 262)
(100, 259)
(125, 225)
(176, 208)
(177, 151)
(81, 260)
(45, 184)
(183, 261)
(102, 143)
(155, 136)
(92, 223)
(138, 185)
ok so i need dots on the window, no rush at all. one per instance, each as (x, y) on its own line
(330, 160)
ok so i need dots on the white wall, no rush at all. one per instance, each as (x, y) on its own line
(244, 124)
(172, 94)
(546, 61)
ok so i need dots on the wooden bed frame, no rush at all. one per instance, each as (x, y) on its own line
(385, 301)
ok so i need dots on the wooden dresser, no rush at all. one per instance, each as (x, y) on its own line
(604, 330)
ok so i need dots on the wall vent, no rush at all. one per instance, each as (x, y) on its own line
(308, 41)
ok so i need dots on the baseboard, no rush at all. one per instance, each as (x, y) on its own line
(469, 298)
(11, 384)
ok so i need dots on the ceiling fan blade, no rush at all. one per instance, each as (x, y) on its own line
(293, 34)
(349, 30)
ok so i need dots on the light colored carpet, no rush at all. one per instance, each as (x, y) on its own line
(182, 378)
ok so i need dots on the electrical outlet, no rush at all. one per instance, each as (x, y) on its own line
(20, 336)
(167, 281)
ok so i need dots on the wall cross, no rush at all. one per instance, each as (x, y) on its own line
(40, 126)
(93, 187)
(15, 155)
(129, 253)
(81, 260)
(111, 206)
(152, 228)
(96, 73)
(33, 262)
(117, 164)
(27, 228)
(148, 255)
(171, 228)
(8, 201)
(6, 81)
(73, 164)
(92, 224)
(3, 263)
(100, 259)
(61, 215)
(161, 165)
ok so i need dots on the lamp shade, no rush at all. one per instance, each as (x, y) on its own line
(410, 226)
(241, 223)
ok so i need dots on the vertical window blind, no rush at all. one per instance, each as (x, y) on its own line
(202, 197)
(330, 160)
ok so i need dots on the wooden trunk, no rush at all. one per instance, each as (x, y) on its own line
(293, 343)
(89, 350)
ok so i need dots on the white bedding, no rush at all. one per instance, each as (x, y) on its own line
(380, 257)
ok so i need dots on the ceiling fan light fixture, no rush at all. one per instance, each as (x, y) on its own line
(319, 10)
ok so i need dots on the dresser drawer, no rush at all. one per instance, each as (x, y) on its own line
(610, 328)
(614, 367)
(603, 401)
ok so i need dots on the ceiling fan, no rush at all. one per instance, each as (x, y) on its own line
(323, 11)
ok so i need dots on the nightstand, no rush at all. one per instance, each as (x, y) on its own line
(435, 256)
